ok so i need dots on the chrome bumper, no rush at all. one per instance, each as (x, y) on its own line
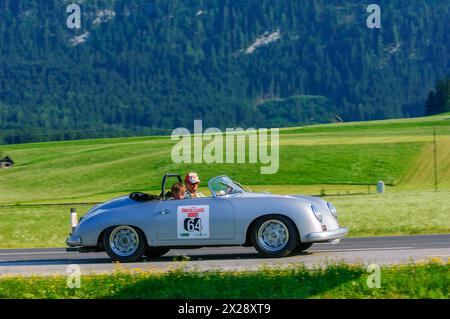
(73, 241)
(327, 235)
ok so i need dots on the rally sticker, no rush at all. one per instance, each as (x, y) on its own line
(193, 222)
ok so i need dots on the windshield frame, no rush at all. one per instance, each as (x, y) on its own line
(234, 185)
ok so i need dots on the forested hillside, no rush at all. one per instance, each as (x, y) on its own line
(162, 63)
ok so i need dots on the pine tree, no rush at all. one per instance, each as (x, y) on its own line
(430, 106)
(439, 99)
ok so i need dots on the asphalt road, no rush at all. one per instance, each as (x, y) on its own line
(366, 250)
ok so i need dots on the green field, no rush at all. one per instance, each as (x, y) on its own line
(428, 280)
(335, 160)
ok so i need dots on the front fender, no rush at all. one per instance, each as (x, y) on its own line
(296, 209)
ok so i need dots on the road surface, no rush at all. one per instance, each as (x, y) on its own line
(366, 250)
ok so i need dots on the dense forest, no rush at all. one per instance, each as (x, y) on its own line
(148, 66)
(438, 100)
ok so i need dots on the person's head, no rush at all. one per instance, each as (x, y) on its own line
(178, 190)
(192, 182)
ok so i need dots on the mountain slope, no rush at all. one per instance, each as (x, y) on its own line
(161, 64)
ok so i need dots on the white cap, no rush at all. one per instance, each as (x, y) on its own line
(192, 178)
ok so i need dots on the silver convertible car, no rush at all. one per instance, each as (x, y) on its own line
(129, 227)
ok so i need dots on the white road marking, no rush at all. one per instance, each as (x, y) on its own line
(38, 253)
(382, 257)
(362, 249)
(224, 251)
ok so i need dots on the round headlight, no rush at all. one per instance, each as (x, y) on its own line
(316, 212)
(332, 209)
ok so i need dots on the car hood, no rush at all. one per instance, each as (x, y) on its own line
(312, 199)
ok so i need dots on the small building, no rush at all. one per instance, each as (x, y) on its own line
(337, 119)
(6, 162)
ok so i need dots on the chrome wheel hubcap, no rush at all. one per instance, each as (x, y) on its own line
(273, 235)
(124, 241)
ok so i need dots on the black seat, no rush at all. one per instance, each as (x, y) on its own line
(143, 197)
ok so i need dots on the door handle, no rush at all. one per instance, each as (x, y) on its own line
(164, 212)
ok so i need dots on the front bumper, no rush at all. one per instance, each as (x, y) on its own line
(73, 241)
(327, 235)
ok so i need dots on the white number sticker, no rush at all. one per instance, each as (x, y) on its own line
(193, 222)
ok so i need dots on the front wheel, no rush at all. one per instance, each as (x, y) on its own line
(274, 236)
(124, 243)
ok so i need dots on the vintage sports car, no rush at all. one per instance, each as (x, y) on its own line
(129, 227)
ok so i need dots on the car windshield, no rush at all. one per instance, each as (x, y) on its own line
(223, 185)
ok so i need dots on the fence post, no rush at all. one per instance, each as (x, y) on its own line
(380, 187)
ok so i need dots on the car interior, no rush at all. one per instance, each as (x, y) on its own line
(144, 197)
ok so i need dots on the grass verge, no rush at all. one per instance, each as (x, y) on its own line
(428, 280)
(402, 213)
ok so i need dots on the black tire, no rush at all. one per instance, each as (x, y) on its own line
(302, 247)
(155, 252)
(138, 252)
(285, 250)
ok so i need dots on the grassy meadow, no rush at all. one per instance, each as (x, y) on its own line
(333, 160)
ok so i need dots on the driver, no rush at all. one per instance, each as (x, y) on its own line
(192, 183)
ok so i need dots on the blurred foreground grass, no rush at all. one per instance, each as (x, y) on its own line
(427, 280)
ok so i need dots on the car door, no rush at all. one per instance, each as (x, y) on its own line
(195, 221)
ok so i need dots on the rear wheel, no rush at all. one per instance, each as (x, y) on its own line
(274, 236)
(302, 247)
(155, 252)
(124, 243)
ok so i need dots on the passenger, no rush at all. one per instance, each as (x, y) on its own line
(192, 183)
(178, 191)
